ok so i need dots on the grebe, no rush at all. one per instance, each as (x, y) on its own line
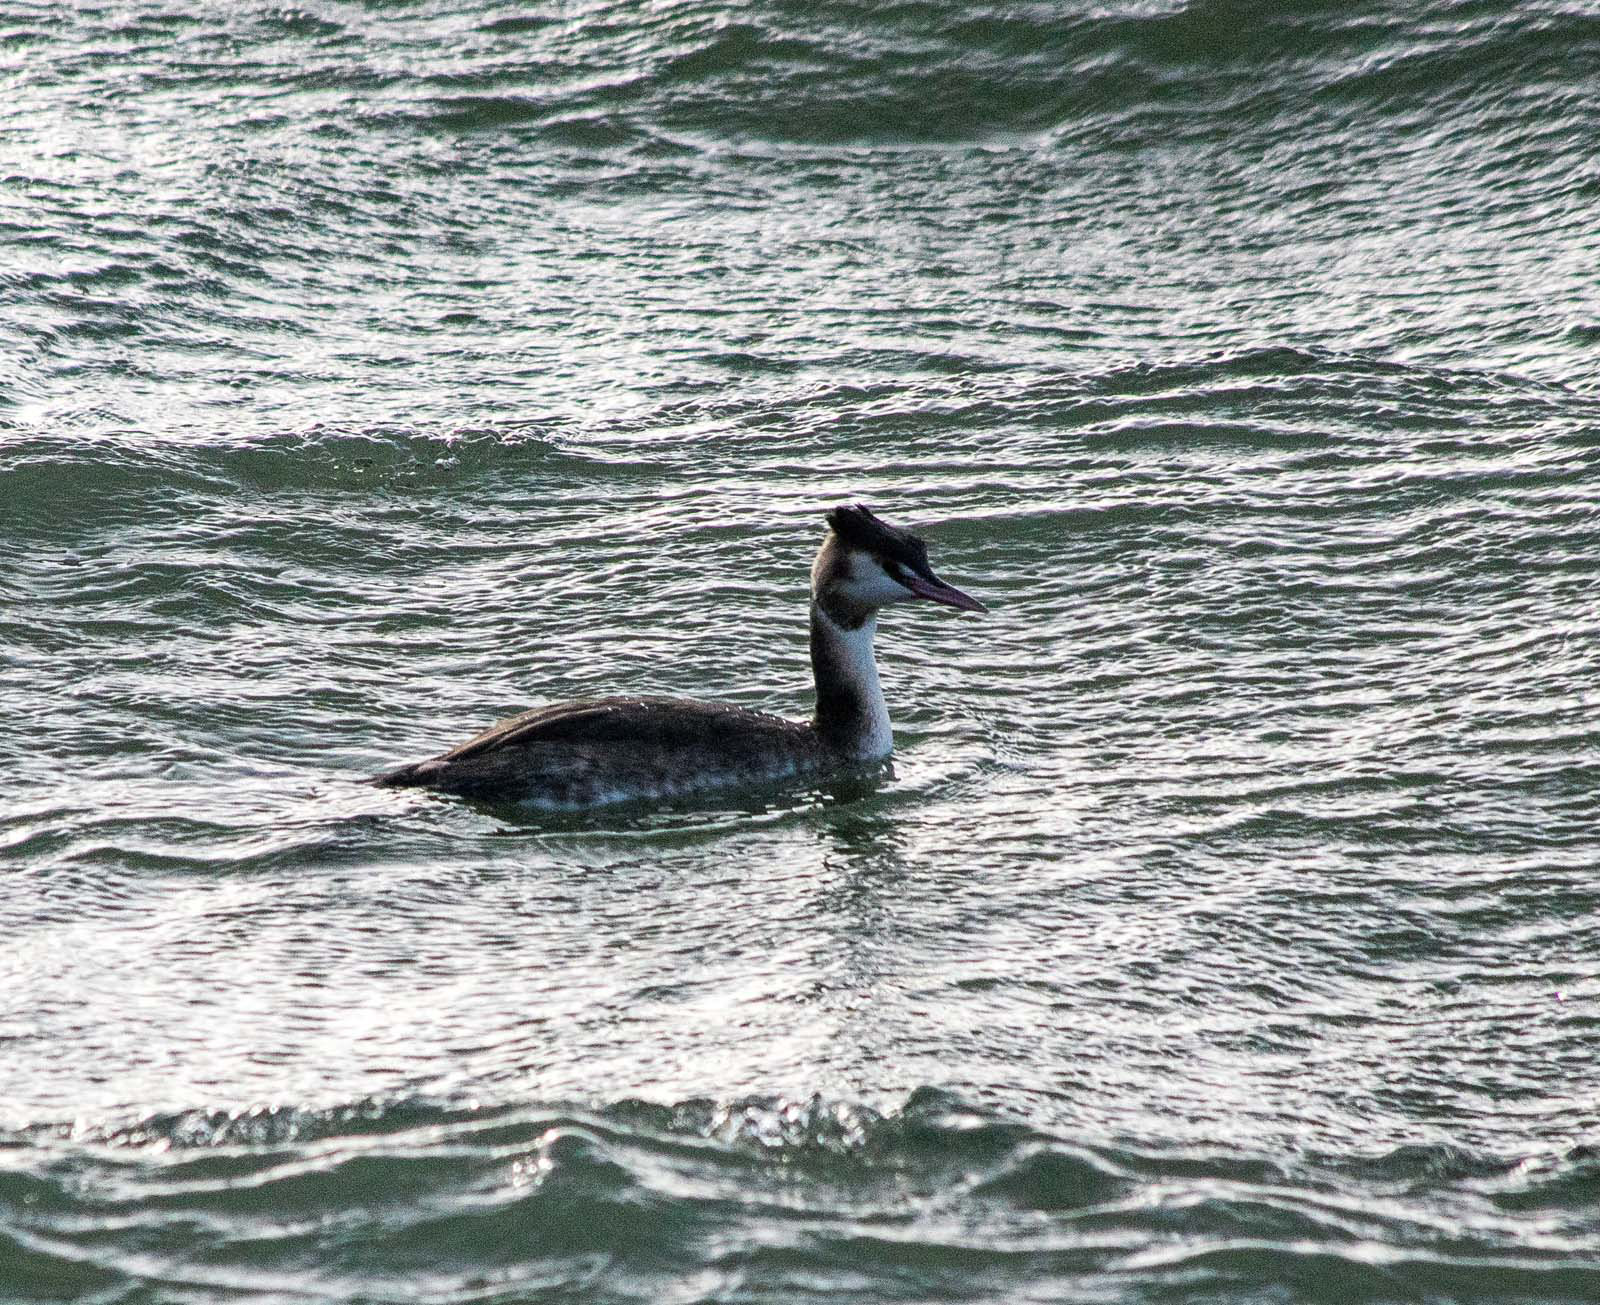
(598, 750)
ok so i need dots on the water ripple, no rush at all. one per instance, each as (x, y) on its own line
(803, 1193)
(370, 373)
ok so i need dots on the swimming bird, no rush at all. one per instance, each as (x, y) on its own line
(598, 750)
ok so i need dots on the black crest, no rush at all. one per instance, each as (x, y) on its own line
(858, 528)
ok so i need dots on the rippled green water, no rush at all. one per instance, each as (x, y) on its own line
(1226, 928)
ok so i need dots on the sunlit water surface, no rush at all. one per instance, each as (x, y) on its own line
(1226, 926)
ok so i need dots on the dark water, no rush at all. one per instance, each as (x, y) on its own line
(1227, 927)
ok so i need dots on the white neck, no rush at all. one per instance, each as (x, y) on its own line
(851, 713)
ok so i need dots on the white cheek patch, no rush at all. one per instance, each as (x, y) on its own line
(871, 586)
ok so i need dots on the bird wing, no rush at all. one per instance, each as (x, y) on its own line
(658, 722)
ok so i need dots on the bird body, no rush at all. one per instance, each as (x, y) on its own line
(599, 750)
